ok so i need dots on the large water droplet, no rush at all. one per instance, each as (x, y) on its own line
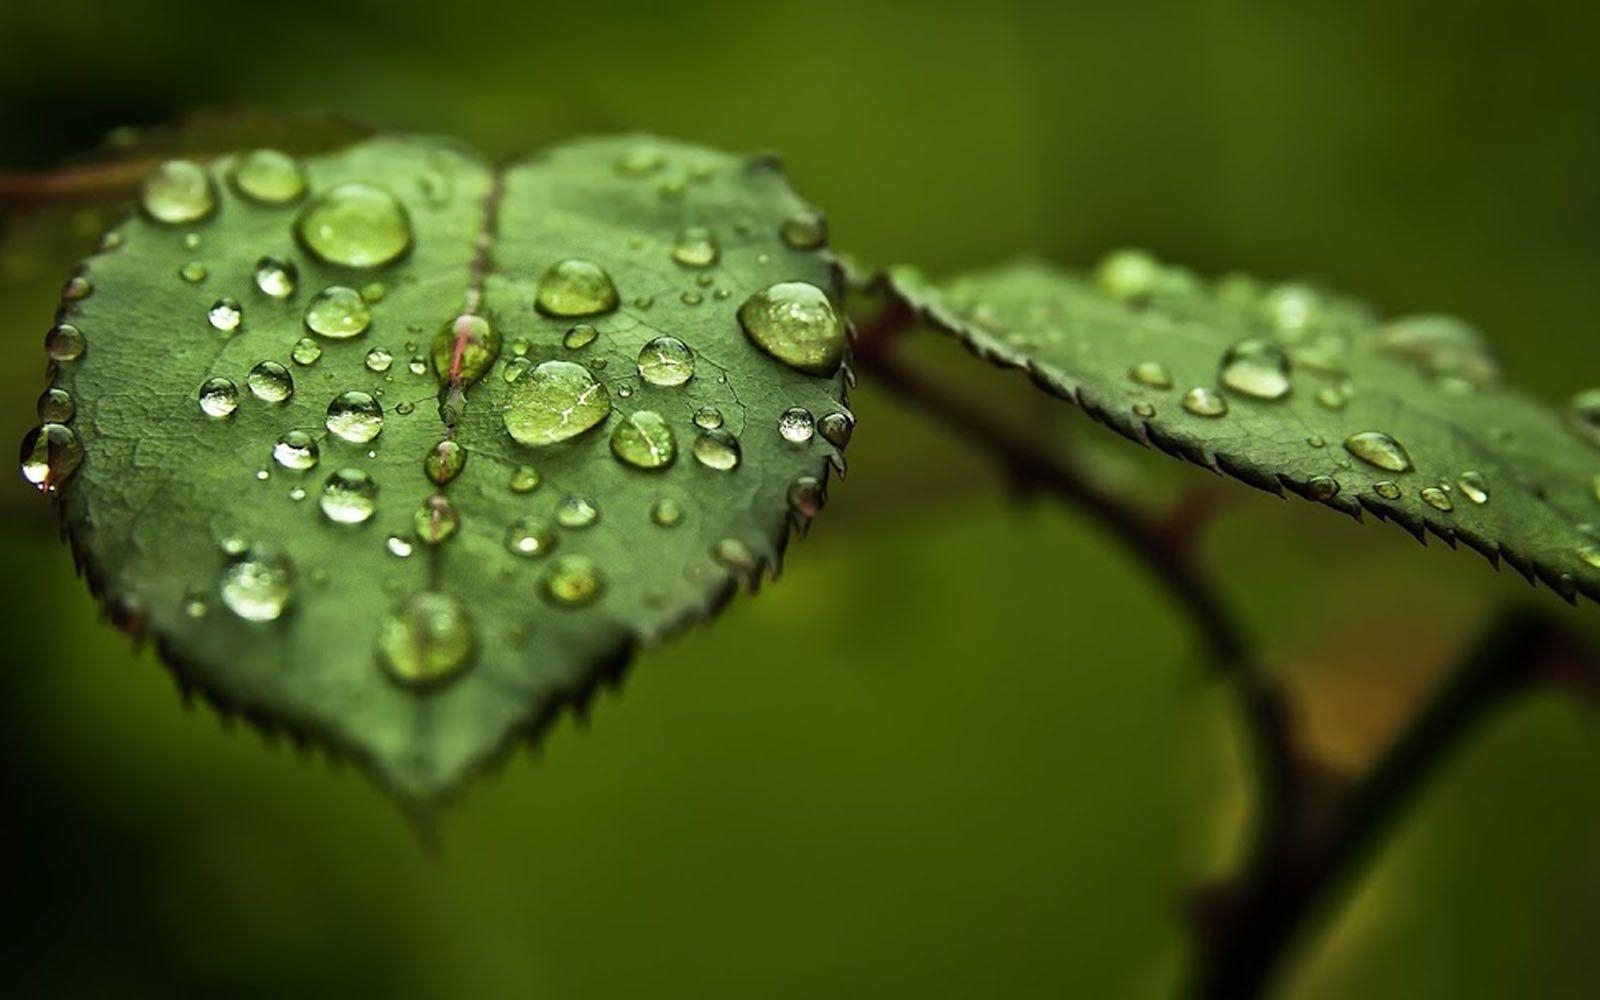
(258, 585)
(51, 453)
(1584, 413)
(666, 361)
(530, 538)
(575, 287)
(444, 462)
(717, 449)
(644, 440)
(355, 225)
(427, 640)
(295, 450)
(464, 349)
(695, 247)
(572, 580)
(836, 428)
(436, 520)
(794, 322)
(276, 277)
(219, 397)
(1203, 401)
(354, 416)
(64, 342)
(337, 313)
(1257, 368)
(349, 496)
(269, 177)
(1378, 449)
(176, 192)
(270, 382)
(556, 401)
(796, 425)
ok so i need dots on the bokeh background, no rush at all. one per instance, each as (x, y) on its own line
(963, 748)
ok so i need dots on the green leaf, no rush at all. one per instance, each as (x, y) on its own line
(390, 601)
(1145, 349)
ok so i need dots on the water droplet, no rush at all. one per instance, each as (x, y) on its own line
(225, 315)
(1203, 401)
(177, 192)
(695, 247)
(708, 418)
(338, 313)
(195, 604)
(464, 349)
(1331, 398)
(193, 272)
(258, 585)
(1436, 498)
(51, 453)
(666, 361)
(295, 450)
(354, 416)
(1144, 410)
(218, 397)
(717, 449)
(1473, 486)
(1291, 308)
(379, 360)
(516, 368)
(427, 640)
(1378, 449)
(1322, 488)
(572, 580)
(276, 277)
(640, 161)
(530, 538)
(735, 555)
(349, 496)
(1584, 413)
(1127, 275)
(691, 298)
(1151, 373)
(666, 513)
(269, 177)
(1590, 554)
(77, 287)
(56, 406)
(435, 520)
(803, 231)
(577, 512)
(796, 425)
(806, 496)
(1257, 368)
(64, 342)
(558, 400)
(398, 546)
(836, 428)
(795, 323)
(1387, 490)
(306, 351)
(524, 479)
(270, 382)
(644, 440)
(581, 335)
(575, 287)
(444, 462)
(355, 225)
(417, 365)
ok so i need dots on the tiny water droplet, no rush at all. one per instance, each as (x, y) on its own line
(795, 323)
(644, 440)
(444, 462)
(354, 416)
(77, 288)
(1378, 449)
(193, 272)
(640, 161)
(355, 225)
(295, 450)
(695, 247)
(666, 513)
(803, 231)
(270, 382)
(269, 177)
(56, 406)
(276, 277)
(666, 361)
(717, 449)
(178, 192)
(379, 360)
(1144, 410)
(577, 511)
(1322, 488)
(1330, 398)
(51, 453)
(575, 287)
(1473, 486)
(1387, 490)
(530, 538)
(572, 580)
(524, 479)
(374, 291)
(1257, 368)
(1436, 498)
(219, 397)
(1203, 401)
(427, 640)
(306, 351)
(708, 418)
(1151, 373)
(349, 496)
(338, 313)
(735, 555)
(836, 428)
(258, 585)
(64, 342)
(225, 315)
(556, 401)
(579, 336)
(796, 425)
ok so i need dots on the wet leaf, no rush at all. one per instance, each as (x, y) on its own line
(329, 449)
(1290, 387)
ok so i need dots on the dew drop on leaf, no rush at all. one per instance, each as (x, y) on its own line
(579, 336)
(794, 322)
(355, 225)
(1322, 488)
(796, 425)
(735, 555)
(435, 520)
(270, 382)
(524, 479)
(803, 231)
(276, 277)
(269, 177)
(666, 361)
(1473, 486)
(51, 453)
(354, 416)
(1126, 275)
(178, 192)
(306, 351)
(695, 247)
(56, 406)
(556, 401)
(577, 512)
(530, 538)
(708, 418)
(1387, 490)
(1436, 498)
(644, 440)
(464, 349)
(806, 496)
(258, 584)
(225, 315)
(193, 272)
(1257, 368)
(296, 450)
(1151, 373)
(1378, 450)
(444, 462)
(219, 397)
(717, 449)
(666, 513)
(349, 496)
(379, 360)
(64, 342)
(338, 313)
(572, 580)
(1203, 401)
(397, 546)
(575, 287)
(836, 428)
(426, 640)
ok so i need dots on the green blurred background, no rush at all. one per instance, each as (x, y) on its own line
(963, 748)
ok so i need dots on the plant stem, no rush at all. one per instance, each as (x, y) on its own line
(90, 182)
